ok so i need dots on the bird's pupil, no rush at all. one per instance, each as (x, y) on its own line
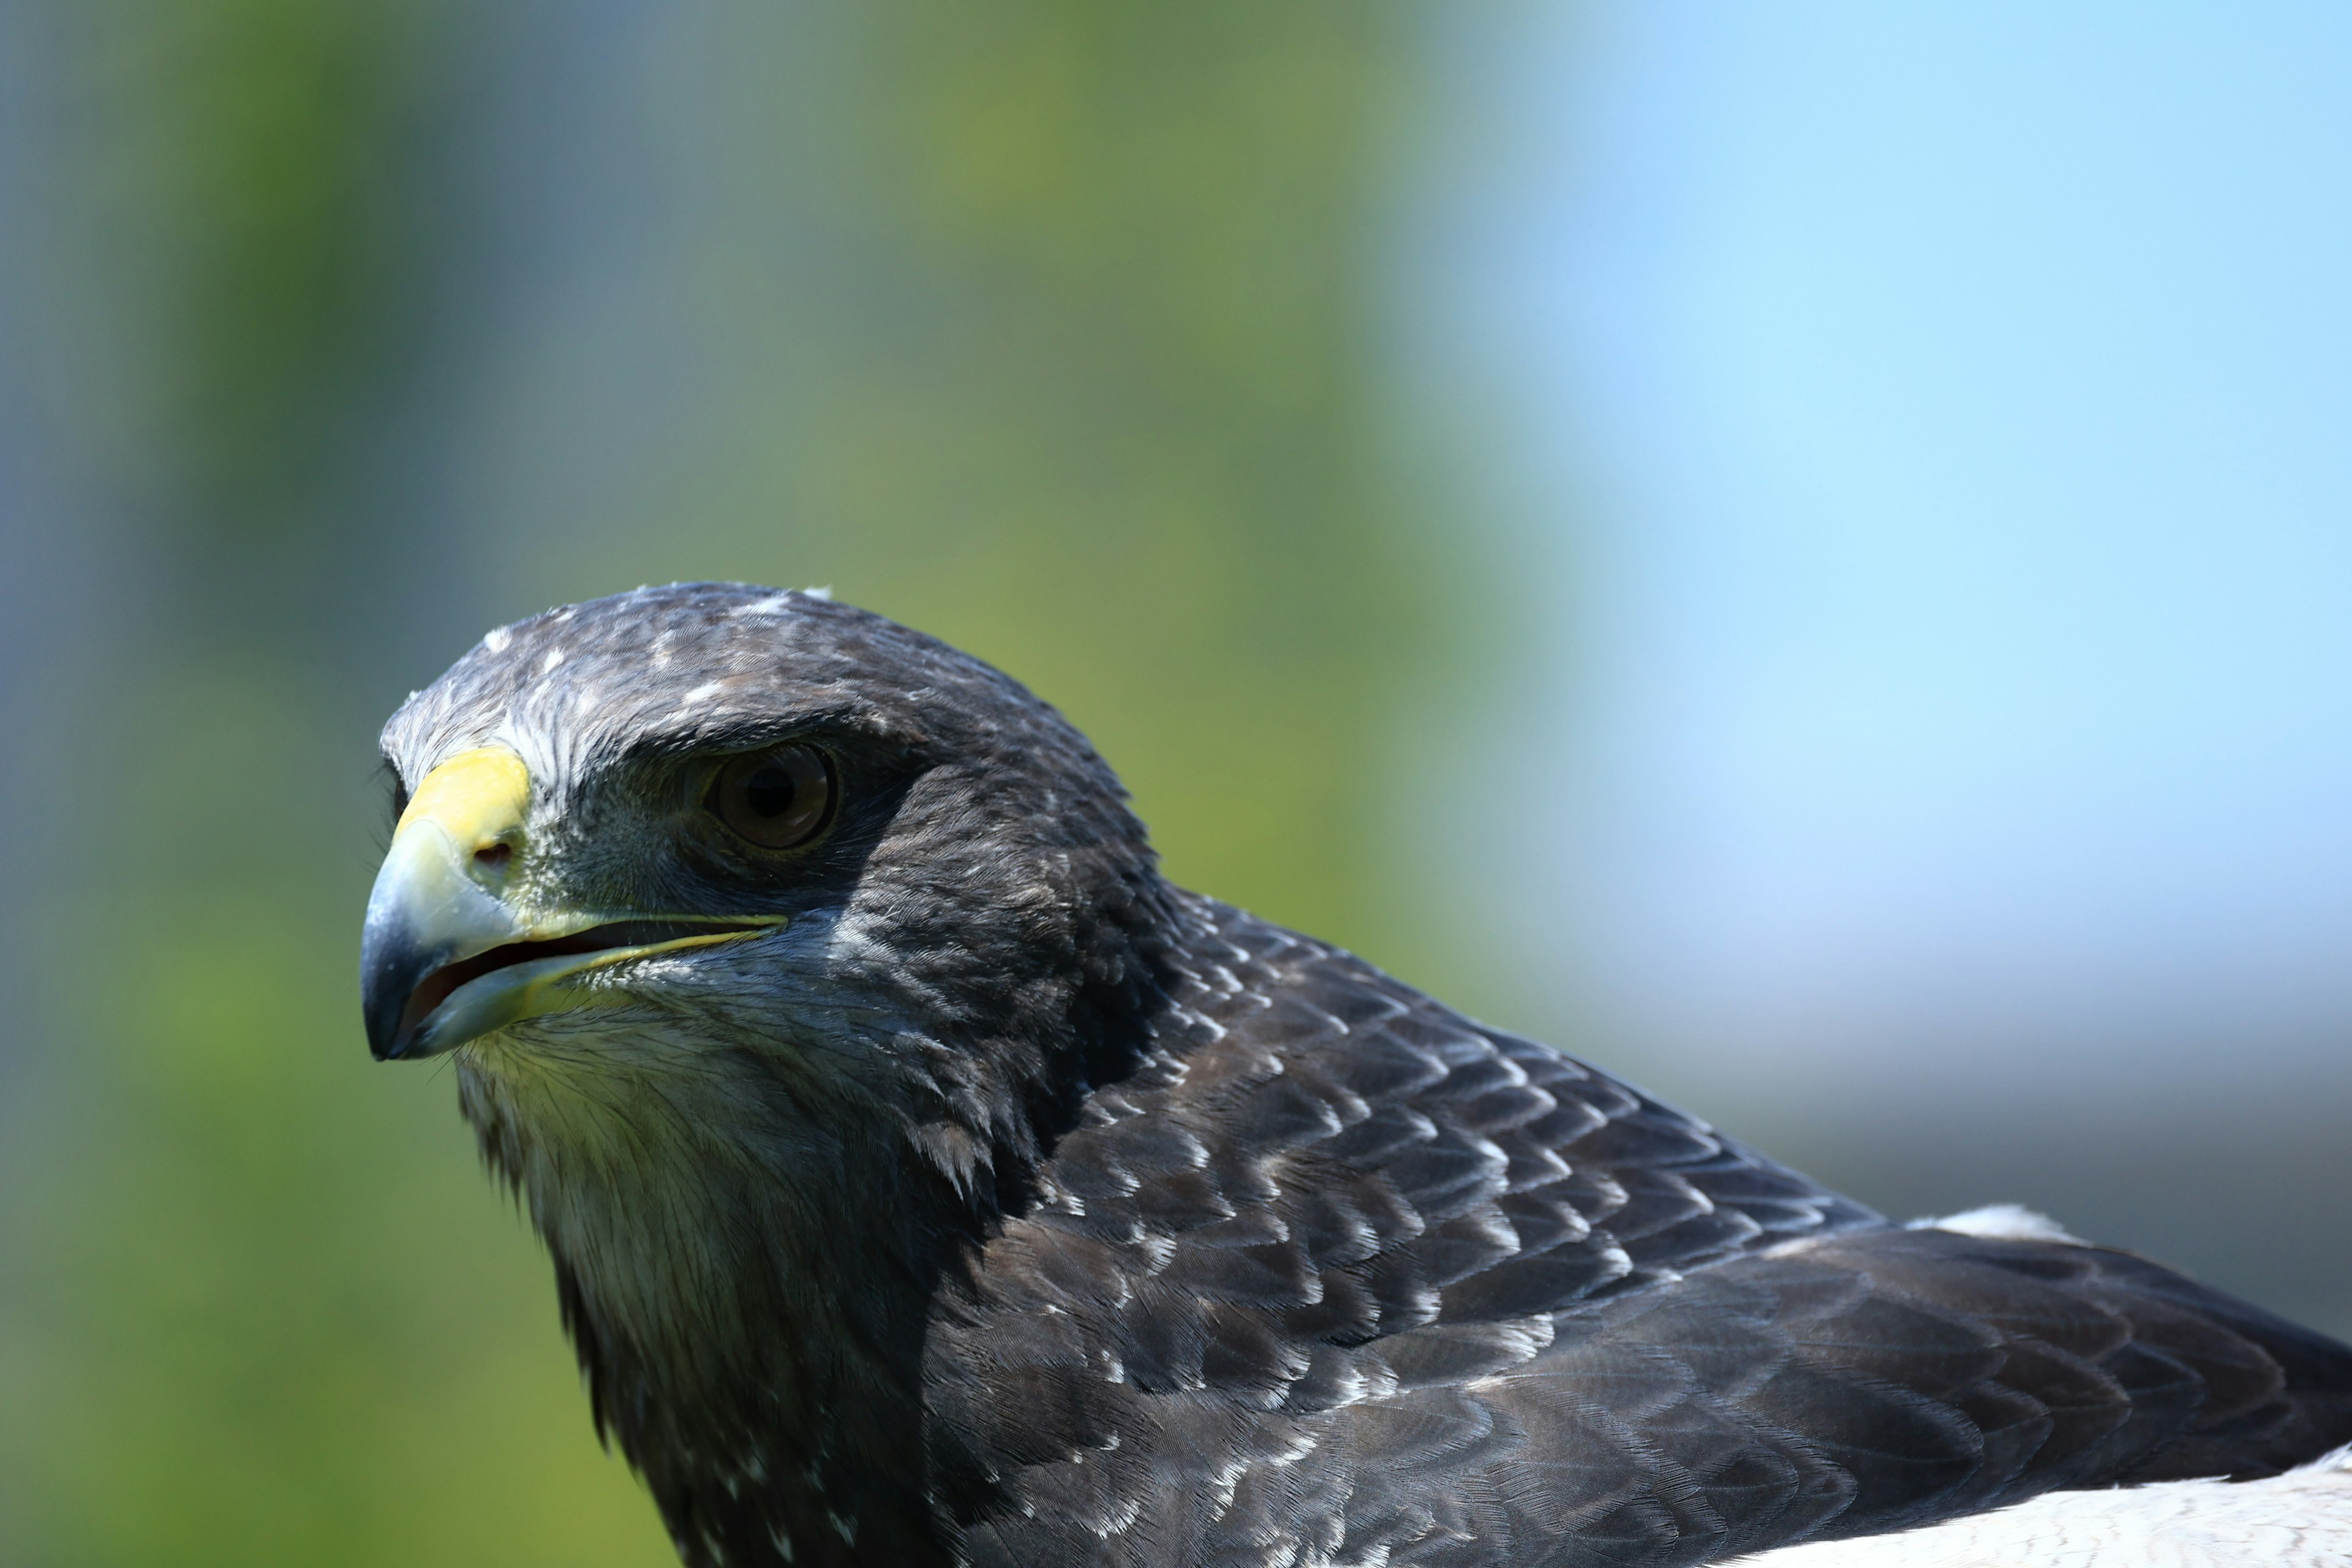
(769, 791)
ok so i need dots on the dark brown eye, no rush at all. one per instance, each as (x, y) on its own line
(776, 799)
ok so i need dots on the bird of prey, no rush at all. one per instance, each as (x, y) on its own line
(928, 1181)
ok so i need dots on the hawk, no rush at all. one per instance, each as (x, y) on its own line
(930, 1181)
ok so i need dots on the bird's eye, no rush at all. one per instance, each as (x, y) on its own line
(776, 799)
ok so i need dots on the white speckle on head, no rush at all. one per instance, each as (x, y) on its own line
(702, 693)
(825, 593)
(844, 1528)
(495, 639)
(555, 657)
(773, 605)
(783, 1543)
(2002, 1222)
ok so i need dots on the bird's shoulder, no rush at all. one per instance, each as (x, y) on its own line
(1339, 1275)
(1303, 1114)
(1320, 1191)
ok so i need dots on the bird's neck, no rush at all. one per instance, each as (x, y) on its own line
(750, 1237)
(749, 1308)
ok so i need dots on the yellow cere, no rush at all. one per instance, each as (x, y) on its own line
(477, 797)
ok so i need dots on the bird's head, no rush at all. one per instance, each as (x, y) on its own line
(774, 942)
(720, 895)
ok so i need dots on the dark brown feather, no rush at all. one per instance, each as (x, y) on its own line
(1420, 1290)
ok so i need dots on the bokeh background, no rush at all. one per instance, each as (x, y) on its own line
(1801, 551)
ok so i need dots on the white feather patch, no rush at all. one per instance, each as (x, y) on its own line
(2300, 1519)
(2002, 1222)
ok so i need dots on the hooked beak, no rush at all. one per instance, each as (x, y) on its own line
(447, 957)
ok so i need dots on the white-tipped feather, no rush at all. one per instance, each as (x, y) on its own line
(2002, 1222)
(2300, 1519)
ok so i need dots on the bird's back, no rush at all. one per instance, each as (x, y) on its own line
(1338, 1276)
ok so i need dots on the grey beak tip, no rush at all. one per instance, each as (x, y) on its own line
(392, 964)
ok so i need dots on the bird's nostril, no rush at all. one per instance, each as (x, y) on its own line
(494, 857)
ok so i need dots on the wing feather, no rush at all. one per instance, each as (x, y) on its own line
(1340, 1277)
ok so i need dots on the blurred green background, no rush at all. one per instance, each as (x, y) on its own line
(1184, 362)
(1049, 328)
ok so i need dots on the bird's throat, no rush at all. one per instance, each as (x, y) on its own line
(751, 1331)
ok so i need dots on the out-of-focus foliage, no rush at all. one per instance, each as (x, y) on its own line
(1070, 361)
(272, 1314)
(236, 169)
(1046, 327)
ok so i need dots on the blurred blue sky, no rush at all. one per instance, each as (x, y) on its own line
(1935, 421)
